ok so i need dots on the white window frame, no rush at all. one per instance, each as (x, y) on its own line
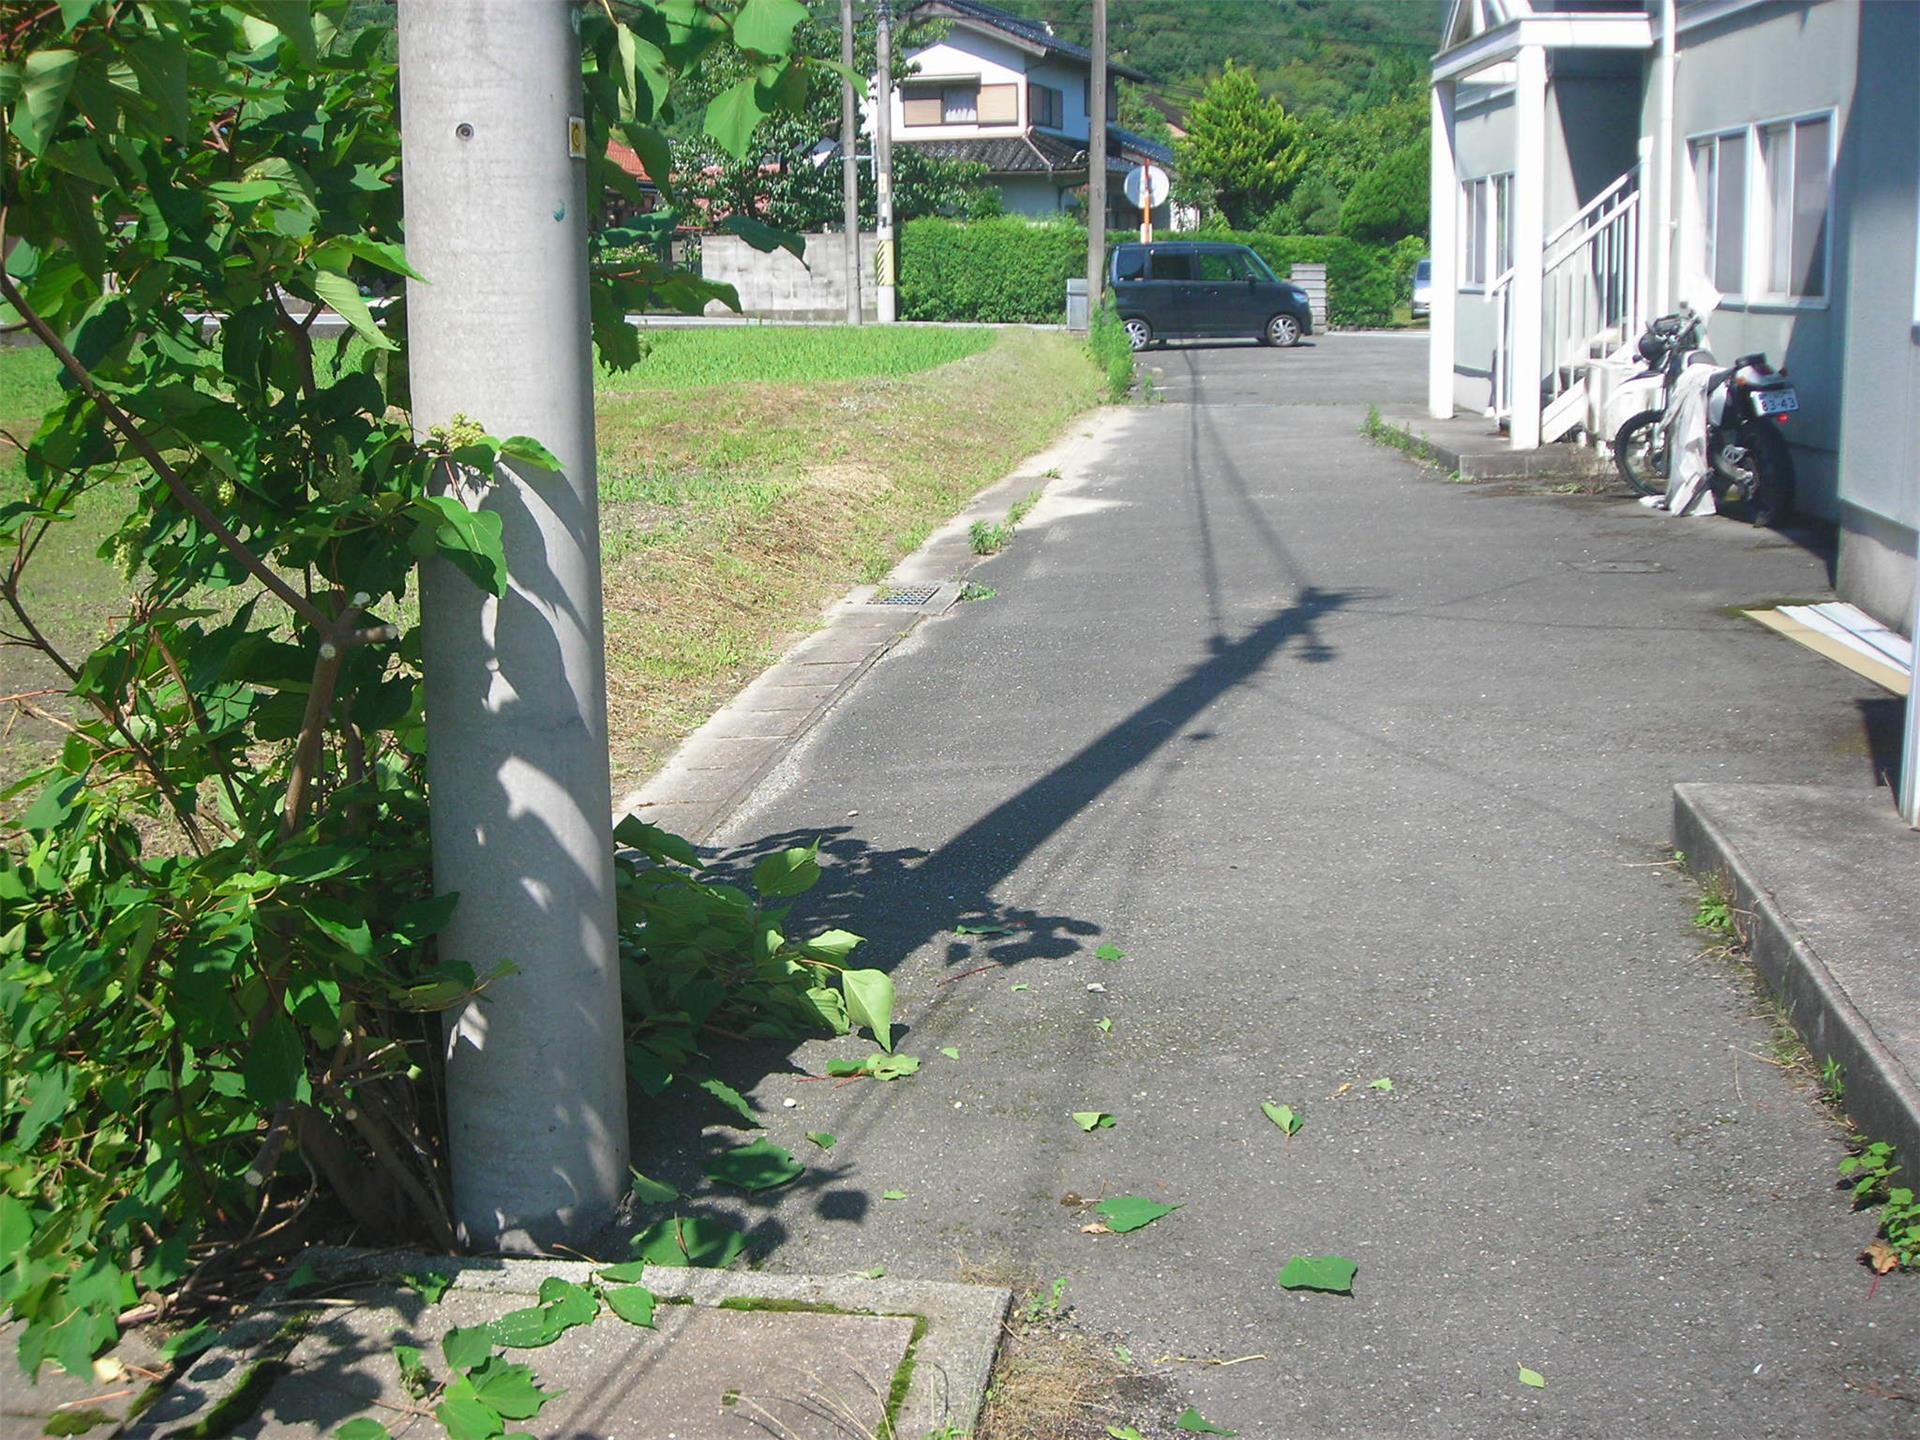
(1756, 256)
(1760, 258)
(1484, 253)
(1696, 263)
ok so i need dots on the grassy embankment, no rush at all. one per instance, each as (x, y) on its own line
(747, 476)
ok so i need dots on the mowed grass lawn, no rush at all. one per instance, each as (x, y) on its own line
(747, 477)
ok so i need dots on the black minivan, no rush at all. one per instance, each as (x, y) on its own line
(1181, 289)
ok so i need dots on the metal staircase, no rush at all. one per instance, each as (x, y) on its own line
(1591, 303)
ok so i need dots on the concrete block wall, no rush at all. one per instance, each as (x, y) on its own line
(777, 286)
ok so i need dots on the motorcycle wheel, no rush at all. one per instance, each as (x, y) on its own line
(1771, 504)
(1641, 462)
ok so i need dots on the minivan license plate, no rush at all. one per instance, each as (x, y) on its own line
(1776, 402)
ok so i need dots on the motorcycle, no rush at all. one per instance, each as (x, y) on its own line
(1748, 460)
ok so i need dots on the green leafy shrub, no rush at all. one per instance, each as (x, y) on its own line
(217, 961)
(1389, 202)
(1870, 1175)
(1005, 270)
(1107, 339)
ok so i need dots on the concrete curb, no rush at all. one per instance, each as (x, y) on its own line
(719, 766)
(1548, 462)
(951, 1363)
(1881, 1097)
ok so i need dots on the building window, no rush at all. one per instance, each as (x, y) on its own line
(960, 104)
(1796, 164)
(1046, 106)
(999, 105)
(1718, 248)
(1486, 230)
(920, 106)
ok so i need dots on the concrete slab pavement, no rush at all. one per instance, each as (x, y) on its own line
(1368, 776)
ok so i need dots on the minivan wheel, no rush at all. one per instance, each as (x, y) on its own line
(1282, 330)
(1139, 333)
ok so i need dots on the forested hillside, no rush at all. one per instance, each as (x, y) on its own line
(1338, 55)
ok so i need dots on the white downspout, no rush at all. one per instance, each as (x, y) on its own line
(1668, 170)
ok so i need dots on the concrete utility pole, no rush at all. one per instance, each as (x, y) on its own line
(496, 209)
(1097, 164)
(850, 164)
(885, 262)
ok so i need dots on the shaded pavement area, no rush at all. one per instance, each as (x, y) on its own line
(1368, 775)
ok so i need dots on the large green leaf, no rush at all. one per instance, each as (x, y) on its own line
(696, 1240)
(793, 871)
(632, 1303)
(733, 115)
(44, 82)
(1129, 1212)
(1332, 1274)
(762, 1165)
(764, 237)
(869, 996)
(469, 539)
(766, 26)
(1194, 1423)
(340, 294)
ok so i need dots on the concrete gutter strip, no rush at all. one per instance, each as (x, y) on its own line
(722, 763)
(1881, 1067)
(951, 1364)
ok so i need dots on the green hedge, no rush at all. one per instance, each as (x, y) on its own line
(1364, 282)
(1007, 270)
(1011, 270)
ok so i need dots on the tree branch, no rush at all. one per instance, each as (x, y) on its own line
(181, 491)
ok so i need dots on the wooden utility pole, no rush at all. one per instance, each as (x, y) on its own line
(850, 164)
(1097, 163)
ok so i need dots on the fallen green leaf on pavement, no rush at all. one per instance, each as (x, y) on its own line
(1022, 986)
(651, 1192)
(430, 1284)
(632, 1303)
(952, 1052)
(1106, 1025)
(1093, 1119)
(732, 1100)
(1330, 1273)
(986, 927)
(762, 1165)
(1533, 1378)
(1283, 1116)
(1129, 1212)
(696, 1240)
(875, 1067)
(1109, 951)
(1124, 1432)
(822, 1139)
(893, 1194)
(362, 1429)
(1385, 1082)
(1194, 1423)
(876, 1273)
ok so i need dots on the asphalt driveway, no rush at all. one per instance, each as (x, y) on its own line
(1369, 776)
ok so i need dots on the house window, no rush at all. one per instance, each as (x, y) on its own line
(1719, 245)
(1796, 164)
(921, 107)
(960, 104)
(1046, 106)
(999, 105)
(1486, 230)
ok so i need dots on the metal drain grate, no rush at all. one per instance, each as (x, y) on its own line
(905, 595)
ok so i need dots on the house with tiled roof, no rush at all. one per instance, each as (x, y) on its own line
(1004, 91)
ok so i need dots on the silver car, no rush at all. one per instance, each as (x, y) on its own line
(1422, 289)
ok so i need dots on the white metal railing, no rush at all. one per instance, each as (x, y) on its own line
(1589, 289)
